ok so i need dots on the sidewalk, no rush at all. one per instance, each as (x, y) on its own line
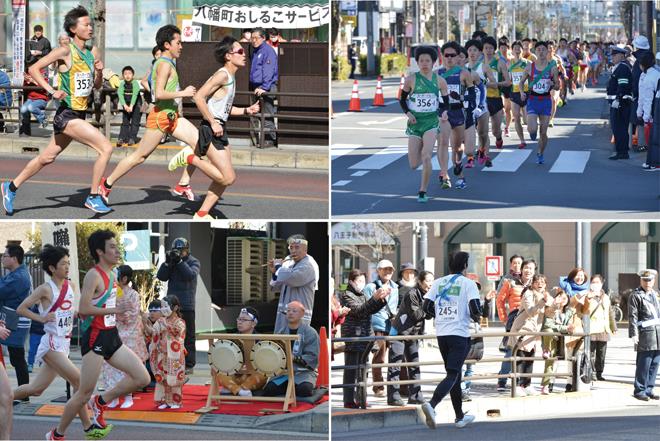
(286, 156)
(615, 393)
(313, 422)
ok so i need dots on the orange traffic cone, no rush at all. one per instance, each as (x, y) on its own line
(323, 380)
(398, 93)
(379, 100)
(354, 105)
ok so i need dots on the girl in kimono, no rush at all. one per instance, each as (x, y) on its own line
(131, 332)
(167, 355)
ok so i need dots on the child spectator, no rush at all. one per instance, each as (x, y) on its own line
(131, 103)
(148, 323)
(167, 355)
(129, 326)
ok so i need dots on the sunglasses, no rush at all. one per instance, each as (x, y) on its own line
(451, 55)
(240, 51)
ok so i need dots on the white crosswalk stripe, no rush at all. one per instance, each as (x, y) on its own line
(338, 150)
(508, 160)
(381, 159)
(570, 161)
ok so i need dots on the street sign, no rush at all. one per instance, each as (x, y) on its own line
(493, 267)
(137, 249)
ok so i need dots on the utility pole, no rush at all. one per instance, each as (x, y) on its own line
(423, 244)
(371, 61)
(98, 8)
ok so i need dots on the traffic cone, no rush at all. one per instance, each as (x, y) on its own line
(354, 105)
(379, 100)
(398, 93)
(323, 380)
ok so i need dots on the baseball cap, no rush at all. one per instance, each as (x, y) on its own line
(385, 264)
(407, 266)
(647, 274)
(641, 42)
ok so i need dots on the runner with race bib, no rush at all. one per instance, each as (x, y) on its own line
(454, 301)
(55, 300)
(517, 69)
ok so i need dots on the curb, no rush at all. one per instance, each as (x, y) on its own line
(316, 159)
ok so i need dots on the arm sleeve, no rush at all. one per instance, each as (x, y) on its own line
(136, 92)
(188, 269)
(417, 313)
(429, 307)
(624, 83)
(310, 352)
(403, 101)
(163, 273)
(472, 97)
(120, 93)
(444, 104)
(475, 310)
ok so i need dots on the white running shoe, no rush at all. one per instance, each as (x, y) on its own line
(531, 391)
(520, 392)
(467, 419)
(429, 413)
(128, 402)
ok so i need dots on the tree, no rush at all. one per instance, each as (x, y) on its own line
(374, 239)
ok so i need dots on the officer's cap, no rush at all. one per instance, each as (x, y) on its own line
(647, 274)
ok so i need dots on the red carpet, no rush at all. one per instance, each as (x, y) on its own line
(194, 397)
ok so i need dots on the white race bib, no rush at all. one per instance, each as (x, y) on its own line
(516, 77)
(423, 103)
(110, 320)
(447, 312)
(542, 86)
(64, 322)
(82, 84)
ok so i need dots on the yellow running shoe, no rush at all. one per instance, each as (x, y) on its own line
(180, 159)
(98, 432)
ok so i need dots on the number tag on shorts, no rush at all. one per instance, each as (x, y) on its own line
(424, 102)
(542, 86)
(110, 320)
(64, 321)
(83, 84)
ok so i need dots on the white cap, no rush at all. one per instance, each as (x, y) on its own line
(385, 264)
(641, 42)
(647, 274)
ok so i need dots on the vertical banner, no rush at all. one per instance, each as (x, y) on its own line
(18, 60)
(64, 234)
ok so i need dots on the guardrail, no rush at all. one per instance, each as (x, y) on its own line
(364, 366)
(257, 132)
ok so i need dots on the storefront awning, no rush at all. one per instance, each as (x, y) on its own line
(280, 14)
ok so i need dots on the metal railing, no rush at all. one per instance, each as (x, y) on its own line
(364, 366)
(257, 131)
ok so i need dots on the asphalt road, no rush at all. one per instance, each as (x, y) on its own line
(371, 176)
(60, 189)
(36, 428)
(640, 424)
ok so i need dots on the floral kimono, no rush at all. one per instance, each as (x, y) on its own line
(167, 359)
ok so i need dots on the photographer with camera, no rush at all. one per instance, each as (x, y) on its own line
(180, 271)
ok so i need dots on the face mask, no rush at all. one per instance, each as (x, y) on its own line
(596, 287)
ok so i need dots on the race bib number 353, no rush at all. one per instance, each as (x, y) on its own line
(83, 84)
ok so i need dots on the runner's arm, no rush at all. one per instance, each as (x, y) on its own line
(162, 74)
(505, 75)
(403, 100)
(61, 53)
(98, 68)
(555, 78)
(492, 82)
(217, 80)
(38, 295)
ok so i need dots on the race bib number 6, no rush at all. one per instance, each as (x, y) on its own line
(82, 84)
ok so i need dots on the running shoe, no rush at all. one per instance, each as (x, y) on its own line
(205, 217)
(499, 143)
(467, 419)
(522, 145)
(429, 413)
(96, 204)
(560, 102)
(470, 162)
(460, 184)
(446, 183)
(488, 162)
(458, 168)
(481, 156)
(180, 159)
(185, 191)
(104, 191)
(51, 436)
(539, 158)
(422, 197)
(648, 167)
(506, 132)
(97, 411)
(8, 198)
(98, 432)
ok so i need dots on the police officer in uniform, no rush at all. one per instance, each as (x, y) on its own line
(619, 96)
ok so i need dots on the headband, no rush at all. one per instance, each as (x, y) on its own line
(297, 241)
(249, 314)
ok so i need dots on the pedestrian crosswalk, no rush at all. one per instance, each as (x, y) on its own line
(507, 160)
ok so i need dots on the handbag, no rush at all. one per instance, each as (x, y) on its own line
(586, 368)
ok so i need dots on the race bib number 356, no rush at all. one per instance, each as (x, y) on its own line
(424, 102)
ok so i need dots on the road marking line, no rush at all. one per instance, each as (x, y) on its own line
(381, 129)
(341, 183)
(338, 150)
(360, 173)
(508, 160)
(381, 159)
(570, 161)
(387, 121)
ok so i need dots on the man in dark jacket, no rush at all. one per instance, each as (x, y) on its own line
(15, 286)
(409, 321)
(407, 281)
(644, 329)
(39, 45)
(642, 46)
(264, 76)
(619, 96)
(180, 271)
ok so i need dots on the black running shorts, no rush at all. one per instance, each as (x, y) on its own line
(62, 117)
(104, 342)
(206, 138)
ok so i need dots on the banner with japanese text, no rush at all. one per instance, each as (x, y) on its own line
(281, 17)
(64, 234)
(18, 40)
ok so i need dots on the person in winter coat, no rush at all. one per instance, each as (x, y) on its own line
(357, 324)
(409, 321)
(557, 318)
(601, 324)
(648, 82)
(650, 99)
(577, 282)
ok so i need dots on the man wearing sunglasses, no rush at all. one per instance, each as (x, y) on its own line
(263, 78)
(243, 382)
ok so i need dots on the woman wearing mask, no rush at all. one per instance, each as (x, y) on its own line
(357, 324)
(601, 325)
